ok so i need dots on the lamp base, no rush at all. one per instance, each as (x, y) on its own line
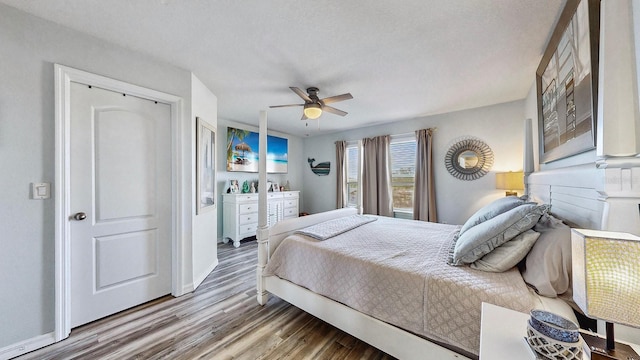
(597, 347)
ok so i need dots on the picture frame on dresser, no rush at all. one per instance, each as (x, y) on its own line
(567, 83)
(206, 166)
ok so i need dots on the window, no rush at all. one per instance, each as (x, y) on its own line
(353, 170)
(402, 150)
(403, 169)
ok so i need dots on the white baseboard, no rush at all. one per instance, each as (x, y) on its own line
(197, 281)
(26, 346)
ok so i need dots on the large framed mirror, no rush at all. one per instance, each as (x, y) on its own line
(469, 158)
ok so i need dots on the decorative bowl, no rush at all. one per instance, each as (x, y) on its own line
(553, 349)
(554, 326)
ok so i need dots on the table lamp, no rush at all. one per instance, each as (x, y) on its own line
(510, 181)
(606, 285)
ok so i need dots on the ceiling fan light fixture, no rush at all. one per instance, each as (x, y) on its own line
(312, 111)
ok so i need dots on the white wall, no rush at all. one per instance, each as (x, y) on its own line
(295, 168)
(205, 227)
(501, 126)
(29, 47)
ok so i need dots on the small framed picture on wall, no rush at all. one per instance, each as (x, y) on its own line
(206, 166)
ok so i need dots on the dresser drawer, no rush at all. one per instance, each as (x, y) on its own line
(245, 219)
(247, 230)
(289, 195)
(291, 203)
(248, 208)
(290, 212)
(246, 198)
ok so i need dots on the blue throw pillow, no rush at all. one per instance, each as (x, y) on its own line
(481, 239)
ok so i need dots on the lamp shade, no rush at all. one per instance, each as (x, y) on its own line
(513, 180)
(312, 111)
(606, 275)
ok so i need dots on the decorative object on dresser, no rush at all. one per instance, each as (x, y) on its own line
(511, 181)
(233, 187)
(240, 213)
(468, 158)
(606, 285)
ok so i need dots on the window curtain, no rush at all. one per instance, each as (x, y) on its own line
(376, 179)
(424, 200)
(341, 173)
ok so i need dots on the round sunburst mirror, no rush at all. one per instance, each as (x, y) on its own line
(469, 158)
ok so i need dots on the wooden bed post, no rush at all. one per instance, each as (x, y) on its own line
(262, 233)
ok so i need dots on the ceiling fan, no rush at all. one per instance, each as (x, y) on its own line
(314, 106)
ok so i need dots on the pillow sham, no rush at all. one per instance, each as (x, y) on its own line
(491, 210)
(507, 255)
(548, 264)
(488, 235)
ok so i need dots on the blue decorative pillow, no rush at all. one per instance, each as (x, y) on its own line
(482, 238)
(507, 255)
(491, 210)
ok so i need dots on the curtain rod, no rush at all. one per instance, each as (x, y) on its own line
(434, 129)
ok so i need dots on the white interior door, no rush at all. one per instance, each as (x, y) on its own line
(120, 199)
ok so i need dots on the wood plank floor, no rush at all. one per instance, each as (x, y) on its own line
(220, 320)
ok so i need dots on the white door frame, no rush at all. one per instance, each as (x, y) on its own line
(63, 78)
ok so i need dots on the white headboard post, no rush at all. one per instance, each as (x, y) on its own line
(262, 234)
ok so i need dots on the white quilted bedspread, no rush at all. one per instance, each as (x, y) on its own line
(395, 270)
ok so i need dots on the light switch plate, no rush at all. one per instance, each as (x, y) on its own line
(40, 191)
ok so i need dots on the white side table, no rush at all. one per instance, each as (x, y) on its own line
(502, 332)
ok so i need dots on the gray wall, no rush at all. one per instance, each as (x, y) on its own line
(501, 126)
(29, 47)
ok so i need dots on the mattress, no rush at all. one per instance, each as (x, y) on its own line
(395, 270)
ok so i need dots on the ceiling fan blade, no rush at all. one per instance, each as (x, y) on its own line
(334, 110)
(304, 117)
(332, 99)
(279, 106)
(301, 93)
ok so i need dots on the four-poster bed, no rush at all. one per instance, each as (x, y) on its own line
(402, 341)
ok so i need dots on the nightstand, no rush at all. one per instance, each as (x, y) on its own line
(502, 332)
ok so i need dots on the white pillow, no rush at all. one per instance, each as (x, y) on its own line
(548, 264)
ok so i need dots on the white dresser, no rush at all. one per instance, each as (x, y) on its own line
(240, 213)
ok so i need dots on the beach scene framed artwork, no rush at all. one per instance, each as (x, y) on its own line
(242, 152)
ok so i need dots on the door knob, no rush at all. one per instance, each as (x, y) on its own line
(80, 216)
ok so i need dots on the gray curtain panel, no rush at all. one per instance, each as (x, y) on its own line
(376, 179)
(341, 173)
(424, 197)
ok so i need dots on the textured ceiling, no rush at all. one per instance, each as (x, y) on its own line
(399, 59)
